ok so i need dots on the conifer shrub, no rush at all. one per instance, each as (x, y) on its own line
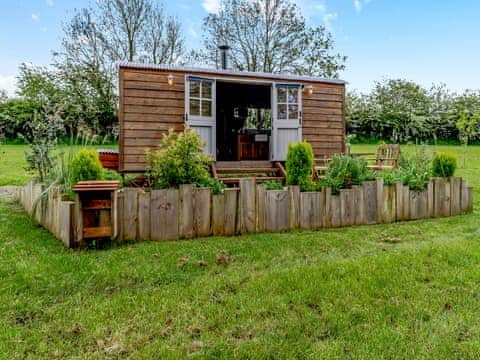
(299, 165)
(444, 164)
(86, 166)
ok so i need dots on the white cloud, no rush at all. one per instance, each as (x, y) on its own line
(35, 17)
(8, 83)
(328, 18)
(358, 5)
(211, 6)
(50, 3)
(192, 32)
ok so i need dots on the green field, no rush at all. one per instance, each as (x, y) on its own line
(13, 164)
(340, 293)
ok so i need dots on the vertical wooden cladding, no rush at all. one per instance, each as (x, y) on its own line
(149, 107)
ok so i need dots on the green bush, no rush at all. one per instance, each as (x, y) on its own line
(444, 165)
(272, 185)
(299, 165)
(180, 160)
(86, 166)
(416, 169)
(344, 171)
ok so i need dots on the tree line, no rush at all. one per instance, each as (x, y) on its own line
(402, 111)
(80, 85)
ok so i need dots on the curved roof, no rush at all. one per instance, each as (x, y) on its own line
(132, 65)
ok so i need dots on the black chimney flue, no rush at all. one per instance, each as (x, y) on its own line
(224, 56)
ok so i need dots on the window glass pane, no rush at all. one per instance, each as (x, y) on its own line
(206, 89)
(194, 88)
(282, 112)
(206, 108)
(194, 107)
(292, 112)
(282, 95)
(293, 95)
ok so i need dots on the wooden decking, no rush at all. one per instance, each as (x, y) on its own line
(230, 172)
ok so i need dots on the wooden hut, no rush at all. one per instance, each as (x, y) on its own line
(243, 117)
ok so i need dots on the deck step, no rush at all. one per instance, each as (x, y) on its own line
(234, 180)
(247, 170)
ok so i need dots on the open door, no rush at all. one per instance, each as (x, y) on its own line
(200, 110)
(286, 118)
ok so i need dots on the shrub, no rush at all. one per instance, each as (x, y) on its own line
(444, 165)
(217, 186)
(416, 169)
(272, 185)
(180, 160)
(344, 171)
(390, 176)
(86, 166)
(299, 165)
(109, 174)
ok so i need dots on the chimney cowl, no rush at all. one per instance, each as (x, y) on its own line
(224, 56)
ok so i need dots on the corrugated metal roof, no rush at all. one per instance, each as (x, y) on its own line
(132, 65)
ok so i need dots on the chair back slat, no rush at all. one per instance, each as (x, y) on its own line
(388, 155)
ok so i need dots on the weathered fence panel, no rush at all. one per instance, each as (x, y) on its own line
(232, 221)
(261, 208)
(312, 206)
(370, 203)
(189, 211)
(278, 210)
(203, 211)
(144, 214)
(218, 214)
(248, 204)
(347, 209)
(130, 214)
(186, 211)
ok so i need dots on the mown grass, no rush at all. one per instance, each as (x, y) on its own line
(340, 293)
(13, 164)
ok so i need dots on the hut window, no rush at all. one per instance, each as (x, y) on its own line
(287, 102)
(200, 100)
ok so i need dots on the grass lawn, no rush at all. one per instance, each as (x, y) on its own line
(13, 164)
(339, 293)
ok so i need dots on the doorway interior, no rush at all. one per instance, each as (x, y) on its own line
(243, 121)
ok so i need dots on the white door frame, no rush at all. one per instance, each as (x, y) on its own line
(284, 124)
(197, 121)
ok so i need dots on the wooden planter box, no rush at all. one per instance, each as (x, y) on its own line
(109, 158)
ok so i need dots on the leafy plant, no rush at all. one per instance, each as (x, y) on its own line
(344, 171)
(272, 185)
(390, 176)
(179, 160)
(41, 133)
(217, 186)
(467, 125)
(86, 166)
(299, 165)
(444, 164)
(416, 169)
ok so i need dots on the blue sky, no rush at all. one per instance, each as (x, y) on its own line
(428, 41)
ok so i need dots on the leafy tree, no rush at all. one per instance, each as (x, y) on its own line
(269, 36)
(467, 124)
(96, 39)
(42, 134)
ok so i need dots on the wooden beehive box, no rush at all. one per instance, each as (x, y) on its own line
(94, 204)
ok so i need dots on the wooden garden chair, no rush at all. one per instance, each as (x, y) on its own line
(388, 157)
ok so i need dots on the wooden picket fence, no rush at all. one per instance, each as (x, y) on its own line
(190, 212)
(195, 212)
(50, 210)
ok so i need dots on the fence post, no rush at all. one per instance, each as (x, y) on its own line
(248, 204)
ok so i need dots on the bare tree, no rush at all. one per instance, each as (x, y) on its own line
(270, 36)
